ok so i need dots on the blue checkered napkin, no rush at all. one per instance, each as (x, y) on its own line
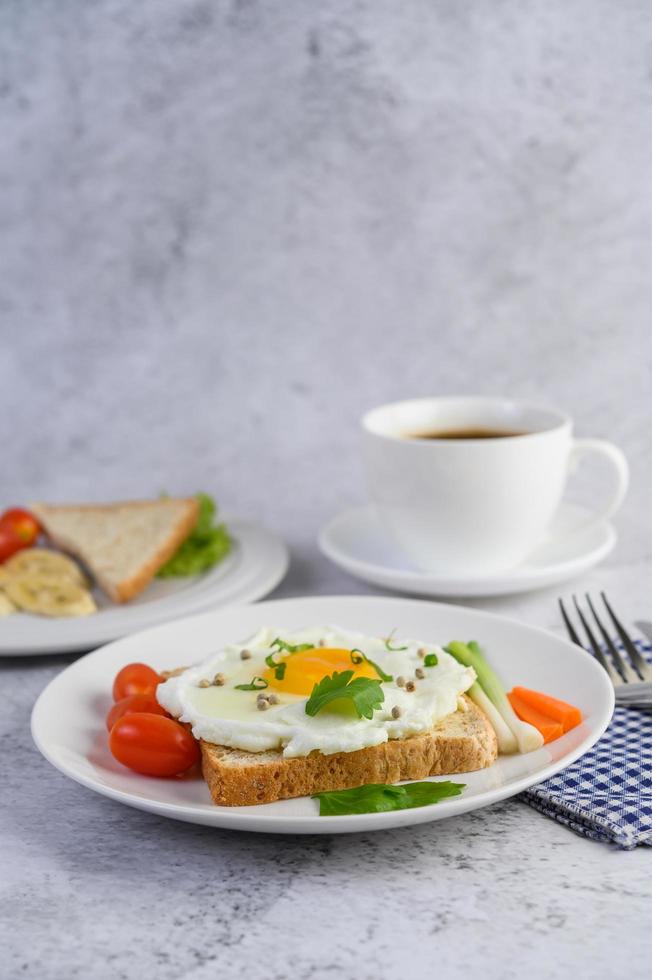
(607, 794)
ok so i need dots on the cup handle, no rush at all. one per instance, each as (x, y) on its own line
(619, 468)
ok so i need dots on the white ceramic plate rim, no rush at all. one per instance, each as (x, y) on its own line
(258, 563)
(519, 579)
(264, 819)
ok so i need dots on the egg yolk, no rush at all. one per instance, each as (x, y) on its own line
(305, 669)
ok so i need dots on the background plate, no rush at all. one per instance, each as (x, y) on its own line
(68, 718)
(257, 563)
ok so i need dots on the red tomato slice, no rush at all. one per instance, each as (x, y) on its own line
(135, 679)
(153, 745)
(134, 704)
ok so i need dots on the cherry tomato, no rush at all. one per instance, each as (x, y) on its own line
(132, 705)
(18, 529)
(153, 745)
(24, 524)
(135, 679)
(10, 543)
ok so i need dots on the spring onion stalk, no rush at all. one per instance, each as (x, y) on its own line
(469, 654)
(505, 737)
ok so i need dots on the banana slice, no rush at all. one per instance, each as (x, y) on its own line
(41, 561)
(6, 605)
(49, 596)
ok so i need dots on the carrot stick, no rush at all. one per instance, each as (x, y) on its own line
(567, 714)
(549, 728)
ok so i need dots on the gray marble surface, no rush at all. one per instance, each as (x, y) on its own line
(227, 229)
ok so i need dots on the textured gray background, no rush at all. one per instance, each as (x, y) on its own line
(226, 229)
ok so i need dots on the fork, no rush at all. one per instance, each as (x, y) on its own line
(631, 678)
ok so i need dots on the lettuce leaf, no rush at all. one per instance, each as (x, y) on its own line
(206, 545)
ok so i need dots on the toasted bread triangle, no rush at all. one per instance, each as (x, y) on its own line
(123, 545)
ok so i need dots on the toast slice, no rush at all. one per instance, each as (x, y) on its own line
(461, 742)
(123, 545)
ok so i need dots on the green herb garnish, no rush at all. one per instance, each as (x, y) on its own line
(282, 645)
(365, 694)
(253, 686)
(357, 656)
(205, 546)
(388, 644)
(279, 669)
(430, 660)
(379, 797)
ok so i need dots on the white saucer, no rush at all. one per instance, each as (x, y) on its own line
(256, 564)
(356, 541)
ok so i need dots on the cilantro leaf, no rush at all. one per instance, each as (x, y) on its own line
(365, 694)
(204, 547)
(379, 797)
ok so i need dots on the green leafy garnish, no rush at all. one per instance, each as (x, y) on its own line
(388, 644)
(357, 656)
(205, 546)
(282, 645)
(257, 684)
(379, 797)
(364, 694)
(279, 669)
(430, 660)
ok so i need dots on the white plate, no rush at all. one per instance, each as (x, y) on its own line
(256, 564)
(356, 541)
(68, 718)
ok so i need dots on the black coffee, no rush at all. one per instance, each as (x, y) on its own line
(476, 432)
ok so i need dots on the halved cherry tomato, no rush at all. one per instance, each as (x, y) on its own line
(134, 704)
(135, 679)
(153, 745)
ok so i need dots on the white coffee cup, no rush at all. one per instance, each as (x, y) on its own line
(474, 505)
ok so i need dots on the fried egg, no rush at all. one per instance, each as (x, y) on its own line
(220, 697)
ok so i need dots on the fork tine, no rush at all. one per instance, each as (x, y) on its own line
(626, 674)
(569, 626)
(595, 647)
(639, 662)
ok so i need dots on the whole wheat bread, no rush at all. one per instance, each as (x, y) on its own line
(123, 545)
(461, 742)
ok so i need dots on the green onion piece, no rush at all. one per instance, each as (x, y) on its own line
(505, 737)
(257, 684)
(282, 645)
(388, 644)
(357, 656)
(470, 655)
(430, 660)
